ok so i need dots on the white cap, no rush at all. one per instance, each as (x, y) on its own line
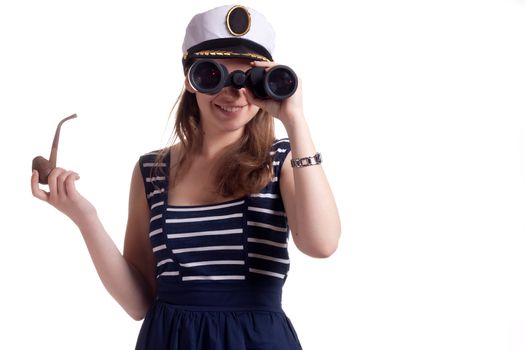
(229, 32)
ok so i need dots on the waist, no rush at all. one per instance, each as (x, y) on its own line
(222, 297)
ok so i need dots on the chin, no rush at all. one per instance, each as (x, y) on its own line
(232, 122)
(232, 127)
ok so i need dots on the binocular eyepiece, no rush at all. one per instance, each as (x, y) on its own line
(210, 77)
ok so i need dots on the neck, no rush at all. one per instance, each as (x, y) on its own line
(214, 143)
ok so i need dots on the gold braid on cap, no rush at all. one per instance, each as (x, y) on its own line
(219, 53)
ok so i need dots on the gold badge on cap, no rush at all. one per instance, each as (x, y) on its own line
(238, 20)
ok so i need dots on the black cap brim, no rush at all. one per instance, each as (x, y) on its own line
(227, 48)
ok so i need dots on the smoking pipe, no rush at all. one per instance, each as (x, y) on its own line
(45, 166)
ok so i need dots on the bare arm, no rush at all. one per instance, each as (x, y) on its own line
(137, 247)
(122, 275)
(310, 205)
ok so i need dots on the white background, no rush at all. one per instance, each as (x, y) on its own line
(417, 106)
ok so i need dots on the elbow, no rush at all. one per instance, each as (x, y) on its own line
(330, 245)
(320, 250)
(327, 247)
(138, 313)
(137, 316)
(321, 243)
(325, 252)
(139, 309)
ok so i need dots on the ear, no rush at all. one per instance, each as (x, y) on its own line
(188, 86)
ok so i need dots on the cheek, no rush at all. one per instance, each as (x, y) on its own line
(203, 99)
(253, 110)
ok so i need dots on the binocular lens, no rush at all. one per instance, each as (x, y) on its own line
(281, 82)
(206, 76)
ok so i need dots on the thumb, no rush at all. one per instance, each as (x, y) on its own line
(35, 188)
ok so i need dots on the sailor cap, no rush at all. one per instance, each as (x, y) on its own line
(228, 32)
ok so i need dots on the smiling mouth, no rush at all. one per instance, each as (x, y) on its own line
(231, 108)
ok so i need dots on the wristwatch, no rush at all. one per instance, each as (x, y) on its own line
(306, 161)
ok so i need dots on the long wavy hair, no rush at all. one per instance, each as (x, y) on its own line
(245, 167)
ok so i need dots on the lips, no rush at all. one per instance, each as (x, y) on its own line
(230, 109)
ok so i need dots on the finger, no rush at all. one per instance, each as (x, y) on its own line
(263, 64)
(35, 188)
(61, 186)
(52, 182)
(70, 187)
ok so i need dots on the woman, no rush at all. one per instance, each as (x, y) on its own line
(205, 253)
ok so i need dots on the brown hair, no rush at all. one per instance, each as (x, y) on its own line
(245, 166)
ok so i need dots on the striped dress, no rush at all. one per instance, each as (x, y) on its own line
(220, 268)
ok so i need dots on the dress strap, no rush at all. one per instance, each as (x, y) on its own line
(154, 175)
(280, 150)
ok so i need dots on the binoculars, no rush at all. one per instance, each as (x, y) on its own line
(210, 77)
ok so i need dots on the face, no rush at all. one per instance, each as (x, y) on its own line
(228, 110)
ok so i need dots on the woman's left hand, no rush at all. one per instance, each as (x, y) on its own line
(286, 110)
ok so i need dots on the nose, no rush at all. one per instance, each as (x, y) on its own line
(231, 91)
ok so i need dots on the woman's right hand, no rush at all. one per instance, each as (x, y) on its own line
(64, 196)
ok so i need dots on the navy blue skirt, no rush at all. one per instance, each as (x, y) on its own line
(173, 327)
(218, 319)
